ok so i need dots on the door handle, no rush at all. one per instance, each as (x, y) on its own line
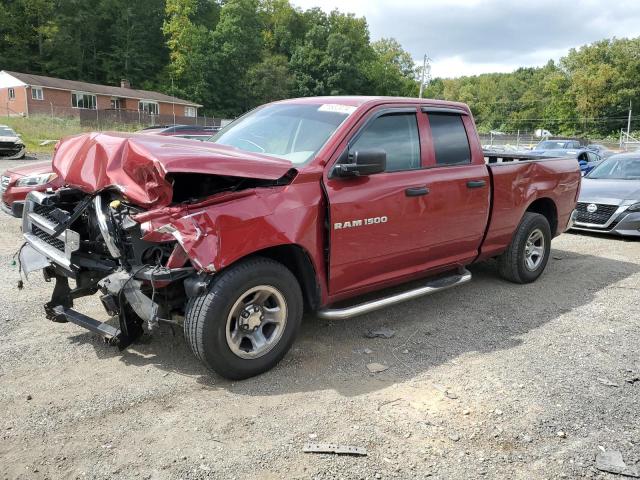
(416, 191)
(476, 183)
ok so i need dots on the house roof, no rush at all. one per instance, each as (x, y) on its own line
(61, 84)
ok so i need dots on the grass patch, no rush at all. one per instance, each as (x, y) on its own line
(38, 128)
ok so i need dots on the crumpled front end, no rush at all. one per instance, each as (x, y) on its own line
(137, 222)
(93, 240)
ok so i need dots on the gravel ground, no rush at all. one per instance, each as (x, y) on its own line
(490, 379)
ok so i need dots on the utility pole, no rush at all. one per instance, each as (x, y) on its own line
(424, 71)
(173, 103)
(629, 122)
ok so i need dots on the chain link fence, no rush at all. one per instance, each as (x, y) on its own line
(528, 140)
(102, 119)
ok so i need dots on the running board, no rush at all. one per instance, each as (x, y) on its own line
(104, 329)
(432, 287)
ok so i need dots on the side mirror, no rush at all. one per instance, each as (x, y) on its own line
(363, 163)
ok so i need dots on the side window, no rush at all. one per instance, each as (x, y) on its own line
(396, 134)
(592, 157)
(450, 140)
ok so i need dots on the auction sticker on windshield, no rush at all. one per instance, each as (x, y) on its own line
(337, 108)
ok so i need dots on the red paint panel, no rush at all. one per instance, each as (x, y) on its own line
(517, 185)
(216, 234)
(363, 254)
(421, 234)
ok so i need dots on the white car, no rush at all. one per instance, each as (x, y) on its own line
(11, 145)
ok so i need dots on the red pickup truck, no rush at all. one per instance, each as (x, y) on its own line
(294, 207)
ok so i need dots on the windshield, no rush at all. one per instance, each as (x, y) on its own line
(553, 145)
(288, 131)
(621, 168)
(7, 132)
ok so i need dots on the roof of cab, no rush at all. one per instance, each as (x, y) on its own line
(357, 101)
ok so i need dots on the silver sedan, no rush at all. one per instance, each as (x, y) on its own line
(609, 199)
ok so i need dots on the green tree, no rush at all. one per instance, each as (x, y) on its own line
(392, 70)
(189, 47)
(283, 27)
(24, 26)
(236, 47)
(334, 56)
(135, 27)
(270, 80)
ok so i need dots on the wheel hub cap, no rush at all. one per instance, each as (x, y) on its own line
(534, 250)
(256, 322)
(251, 318)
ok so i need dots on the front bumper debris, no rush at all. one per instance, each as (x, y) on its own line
(41, 231)
(127, 288)
(112, 335)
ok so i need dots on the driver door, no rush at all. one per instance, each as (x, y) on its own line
(377, 222)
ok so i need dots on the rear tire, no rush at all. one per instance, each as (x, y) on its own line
(528, 253)
(247, 320)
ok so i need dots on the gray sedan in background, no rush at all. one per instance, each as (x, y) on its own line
(609, 199)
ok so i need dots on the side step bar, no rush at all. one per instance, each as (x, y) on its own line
(431, 287)
(104, 329)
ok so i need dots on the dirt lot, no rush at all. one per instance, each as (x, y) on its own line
(490, 379)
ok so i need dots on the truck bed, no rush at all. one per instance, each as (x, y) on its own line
(516, 182)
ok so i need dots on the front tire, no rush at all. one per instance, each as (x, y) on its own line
(528, 253)
(247, 320)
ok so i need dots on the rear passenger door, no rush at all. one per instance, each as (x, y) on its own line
(459, 186)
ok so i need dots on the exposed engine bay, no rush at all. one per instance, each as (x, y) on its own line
(94, 240)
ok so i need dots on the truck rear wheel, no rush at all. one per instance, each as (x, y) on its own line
(247, 320)
(528, 253)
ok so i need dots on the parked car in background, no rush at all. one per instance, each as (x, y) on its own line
(558, 144)
(587, 159)
(11, 145)
(609, 199)
(601, 150)
(17, 182)
(193, 132)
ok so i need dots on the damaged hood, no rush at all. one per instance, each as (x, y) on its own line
(137, 164)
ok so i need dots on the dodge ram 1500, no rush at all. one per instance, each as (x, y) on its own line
(294, 207)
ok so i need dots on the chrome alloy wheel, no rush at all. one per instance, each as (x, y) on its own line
(256, 322)
(534, 250)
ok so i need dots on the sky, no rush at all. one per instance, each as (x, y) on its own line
(469, 37)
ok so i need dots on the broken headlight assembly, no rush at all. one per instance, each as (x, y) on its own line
(35, 180)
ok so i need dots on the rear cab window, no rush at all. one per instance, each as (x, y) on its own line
(449, 137)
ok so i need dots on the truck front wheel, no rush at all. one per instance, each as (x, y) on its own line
(247, 320)
(528, 253)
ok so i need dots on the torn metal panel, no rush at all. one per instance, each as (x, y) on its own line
(32, 260)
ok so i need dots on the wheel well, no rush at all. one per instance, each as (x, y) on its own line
(546, 207)
(296, 259)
